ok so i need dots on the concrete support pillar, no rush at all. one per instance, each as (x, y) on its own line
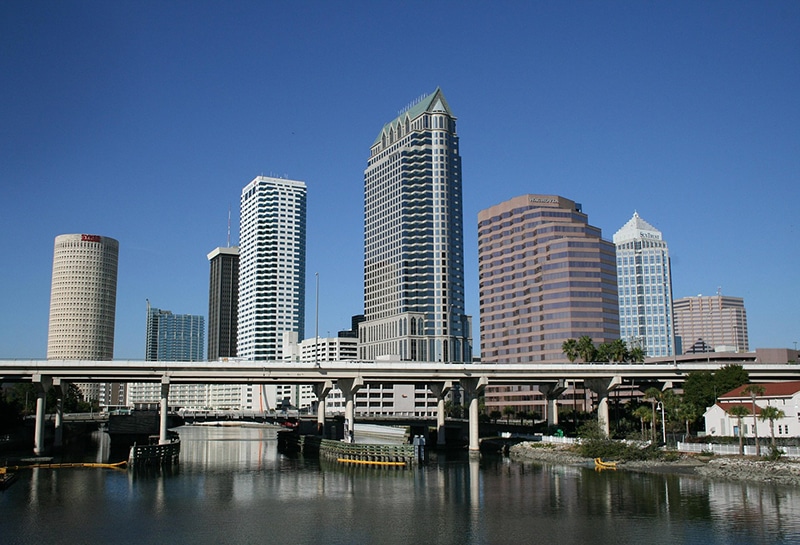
(321, 390)
(551, 393)
(164, 410)
(601, 386)
(473, 387)
(61, 392)
(42, 384)
(349, 387)
(440, 390)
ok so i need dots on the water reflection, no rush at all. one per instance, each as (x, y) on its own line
(232, 486)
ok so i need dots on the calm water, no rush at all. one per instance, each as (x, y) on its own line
(234, 487)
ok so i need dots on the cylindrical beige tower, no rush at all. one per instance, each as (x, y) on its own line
(83, 298)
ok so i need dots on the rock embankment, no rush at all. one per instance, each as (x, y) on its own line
(742, 469)
(722, 468)
(546, 452)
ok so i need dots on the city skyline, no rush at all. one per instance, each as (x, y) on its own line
(681, 112)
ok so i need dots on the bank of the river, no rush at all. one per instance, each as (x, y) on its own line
(712, 467)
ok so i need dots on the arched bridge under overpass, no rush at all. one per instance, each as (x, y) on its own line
(349, 376)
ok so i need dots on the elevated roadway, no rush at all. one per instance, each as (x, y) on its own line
(349, 376)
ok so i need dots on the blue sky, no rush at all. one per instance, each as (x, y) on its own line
(143, 121)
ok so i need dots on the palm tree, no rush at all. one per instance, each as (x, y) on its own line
(740, 411)
(586, 349)
(654, 395)
(689, 413)
(643, 414)
(603, 353)
(636, 355)
(618, 350)
(772, 414)
(508, 412)
(570, 349)
(754, 391)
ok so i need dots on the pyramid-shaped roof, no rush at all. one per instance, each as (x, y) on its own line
(634, 229)
(434, 102)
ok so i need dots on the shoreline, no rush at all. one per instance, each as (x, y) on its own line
(728, 468)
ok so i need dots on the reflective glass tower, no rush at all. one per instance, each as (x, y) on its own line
(413, 240)
(173, 337)
(645, 288)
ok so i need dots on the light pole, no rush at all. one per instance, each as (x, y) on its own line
(316, 324)
(660, 405)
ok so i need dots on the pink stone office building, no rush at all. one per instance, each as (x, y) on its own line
(546, 275)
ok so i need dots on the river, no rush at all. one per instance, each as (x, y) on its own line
(232, 486)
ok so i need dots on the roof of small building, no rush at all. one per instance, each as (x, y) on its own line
(771, 389)
(749, 406)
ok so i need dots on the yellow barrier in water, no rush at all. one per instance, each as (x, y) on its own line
(369, 462)
(117, 465)
(599, 464)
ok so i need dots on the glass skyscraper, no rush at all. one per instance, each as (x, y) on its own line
(645, 288)
(413, 240)
(174, 337)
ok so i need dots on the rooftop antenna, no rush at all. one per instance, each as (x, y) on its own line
(719, 290)
(229, 225)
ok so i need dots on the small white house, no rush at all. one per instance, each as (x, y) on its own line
(784, 396)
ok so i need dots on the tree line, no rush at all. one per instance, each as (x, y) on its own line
(616, 351)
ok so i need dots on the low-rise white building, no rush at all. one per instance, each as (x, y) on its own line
(784, 396)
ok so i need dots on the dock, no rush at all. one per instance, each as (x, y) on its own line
(155, 454)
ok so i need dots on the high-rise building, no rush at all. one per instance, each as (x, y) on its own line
(83, 301)
(545, 276)
(645, 288)
(711, 323)
(171, 337)
(83, 298)
(272, 266)
(223, 302)
(272, 277)
(413, 240)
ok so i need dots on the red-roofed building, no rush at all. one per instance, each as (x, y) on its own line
(784, 396)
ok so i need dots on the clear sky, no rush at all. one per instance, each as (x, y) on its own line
(143, 121)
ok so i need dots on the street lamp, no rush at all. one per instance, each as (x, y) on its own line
(316, 324)
(660, 406)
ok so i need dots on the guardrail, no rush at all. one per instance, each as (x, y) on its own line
(749, 450)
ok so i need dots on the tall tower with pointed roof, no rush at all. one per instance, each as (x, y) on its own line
(413, 240)
(645, 288)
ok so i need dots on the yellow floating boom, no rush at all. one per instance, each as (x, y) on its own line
(117, 465)
(369, 462)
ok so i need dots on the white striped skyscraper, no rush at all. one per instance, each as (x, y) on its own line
(272, 266)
